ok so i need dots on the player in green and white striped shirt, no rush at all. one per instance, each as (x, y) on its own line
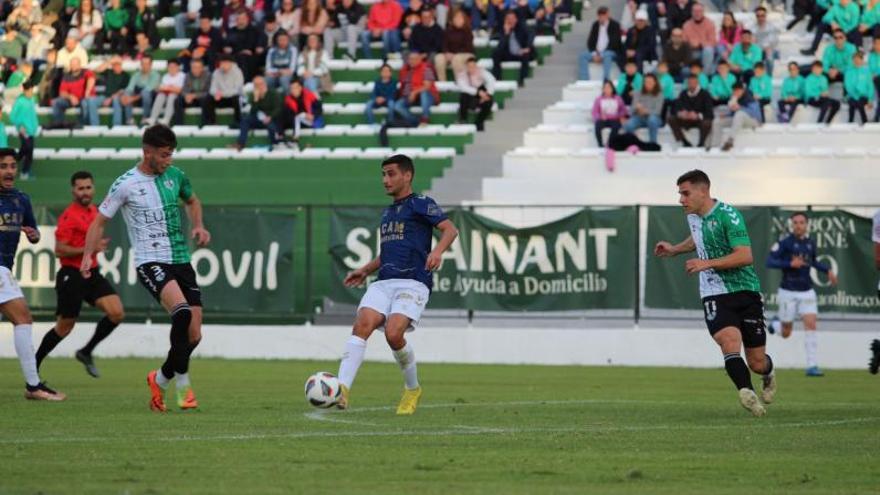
(729, 286)
(149, 195)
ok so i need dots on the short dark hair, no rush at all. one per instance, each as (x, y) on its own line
(403, 162)
(27, 85)
(8, 152)
(159, 136)
(799, 213)
(173, 61)
(738, 85)
(602, 10)
(81, 175)
(695, 176)
(761, 9)
(759, 65)
(746, 31)
(817, 63)
(723, 62)
(470, 59)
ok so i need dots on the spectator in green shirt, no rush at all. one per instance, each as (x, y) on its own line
(115, 32)
(702, 78)
(24, 117)
(115, 82)
(792, 93)
(139, 90)
(721, 87)
(12, 46)
(842, 15)
(265, 107)
(874, 67)
(816, 94)
(15, 82)
(629, 82)
(859, 87)
(761, 87)
(667, 86)
(838, 57)
(744, 56)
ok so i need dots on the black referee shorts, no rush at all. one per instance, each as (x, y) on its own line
(72, 289)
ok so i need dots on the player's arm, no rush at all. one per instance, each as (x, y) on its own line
(448, 233)
(823, 267)
(666, 249)
(93, 238)
(739, 257)
(29, 223)
(778, 257)
(194, 212)
(357, 277)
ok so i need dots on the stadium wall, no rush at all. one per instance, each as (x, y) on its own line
(840, 349)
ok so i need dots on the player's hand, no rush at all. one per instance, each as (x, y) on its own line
(85, 268)
(355, 279)
(798, 262)
(201, 235)
(663, 249)
(32, 234)
(696, 265)
(832, 277)
(102, 245)
(433, 262)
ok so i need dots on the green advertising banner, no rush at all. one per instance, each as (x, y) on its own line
(583, 261)
(843, 241)
(247, 268)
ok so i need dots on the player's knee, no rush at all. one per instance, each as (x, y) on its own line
(395, 340)
(63, 328)
(363, 329)
(756, 364)
(116, 316)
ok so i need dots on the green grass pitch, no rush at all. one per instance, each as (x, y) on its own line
(480, 429)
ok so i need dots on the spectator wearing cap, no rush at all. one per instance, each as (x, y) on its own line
(347, 21)
(312, 68)
(24, 118)
(195, 89)
(281, 62)
(843, 15)
(383, 23)
(676, 54)
(115, 82)
(417, 87)
(458, 46)
(477, 87)
(641, 40)
(169, 90)
(700, 34)
(693, 109)
(227, 85)
(515, 44)
(383, 94)
(744, 56)
(141, 89)
(859, 86)
(742, 112)
(604, 45)
(766, 36)
(76, 86)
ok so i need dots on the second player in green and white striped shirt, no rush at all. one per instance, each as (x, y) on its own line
(729, 287)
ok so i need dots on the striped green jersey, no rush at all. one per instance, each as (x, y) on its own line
(150, 207)
(715, 235)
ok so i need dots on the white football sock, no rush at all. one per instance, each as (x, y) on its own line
(181, 379)
(161, 380)
(811, 344)
(406, 358)
(24, 347)
(351, 360)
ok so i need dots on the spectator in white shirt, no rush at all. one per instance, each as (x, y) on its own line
(766, 37)
(187, 19)
(166, 95)
(72, 49)
(312, 65)
(477, 86)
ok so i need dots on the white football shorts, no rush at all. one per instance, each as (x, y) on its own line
(397, 296)
(794, 304)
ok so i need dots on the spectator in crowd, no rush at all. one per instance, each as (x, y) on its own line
(697, 70)
(441, 10)
(412, 16)
(270, 30)
(195, 89)
(46, 87)
(207, 42)
(721, 87)
(309, 19)
(676, 55)
(744, 56)
(416, 88)
(629, 81)
(427, 36)
(140, 89)
(545, 20)
(281, 62)
(76, 86)
(285, 15)
(677, 13)
(838, 57)
(859, 86)
(869, 23)
(667, 87)
(115, 82)
(143, 20)
(843, 15)
(742, 112)
(12, 47)
(800, 10)
(792, 93)
(761, 87)
(766, 36)
(15, 83)
(816, 94)
(71, 49)
(242, 42)
(477, 87)
(142, 46)
(515, 44)
(692, 109)
(699, 33)
(604, 45)
(169, 90)
(187, 18)
(265, 108)
(347, 21)
(641, 41)
(227, 85)
(382, 24)
(230, 13)
(24, 118)
(312, 68)
(458, 46)
(384, 91)
(115, 32)
(729, 35)
(874, 67)
(88, 23)
(647, 106)
(39, 44)
(302, 109)
(609, 111)
(25, 15)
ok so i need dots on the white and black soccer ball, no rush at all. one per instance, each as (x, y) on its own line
(323, 390)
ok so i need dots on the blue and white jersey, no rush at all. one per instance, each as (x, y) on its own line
(15, 212)
(405, 238)
(795, 279)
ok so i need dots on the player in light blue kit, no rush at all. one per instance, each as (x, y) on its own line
(396, 300)
(17, 217)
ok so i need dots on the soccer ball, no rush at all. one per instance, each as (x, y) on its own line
(323, 390)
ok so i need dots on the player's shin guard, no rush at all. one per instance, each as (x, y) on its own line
(406, 358)
(102, 330)
(351, 359)
(24, 347)
(738, 371)
(49, 342)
